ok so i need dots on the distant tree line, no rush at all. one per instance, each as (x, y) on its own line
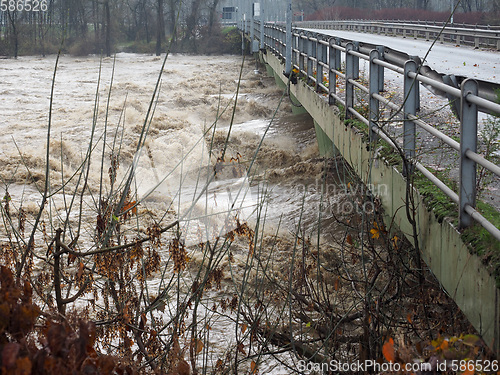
(100, 26)
(311, 6)
(106, 26)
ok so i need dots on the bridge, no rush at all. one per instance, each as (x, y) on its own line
(350, 112)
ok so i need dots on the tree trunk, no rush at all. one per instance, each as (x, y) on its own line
(146, 23)
(108, 28)
(15, 36)
(212, 17)
(192, 22)
(95, 12)
(160, 28)
(172, 4)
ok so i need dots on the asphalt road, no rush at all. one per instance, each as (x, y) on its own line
(445, 58)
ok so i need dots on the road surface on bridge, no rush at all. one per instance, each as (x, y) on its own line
(445, 58)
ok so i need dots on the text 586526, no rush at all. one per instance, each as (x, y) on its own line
(23, 5)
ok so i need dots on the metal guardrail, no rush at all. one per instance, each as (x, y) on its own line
(318, 55)
(477, 37)
(462, 25)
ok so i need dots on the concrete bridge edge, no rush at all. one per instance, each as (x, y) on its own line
(461, 273)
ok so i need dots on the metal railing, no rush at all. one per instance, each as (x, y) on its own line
(477, 37)
(317, 56)
(462, 25)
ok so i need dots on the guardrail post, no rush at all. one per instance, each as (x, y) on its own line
(309, 53)
(266, 36)
(274, 40)
(277, 33)
(281, 38)
(356, 61)
(381, 52)
(262, 42)
(468, 141)
(314, 55)
(321, 59)
(252, 31)
(301, 49)
(320, 53)
(284, 48)
(338, 55)
(374, 89)
(417, 84)
(295, 48)
(349, 74)
(409, 108)
(332, 64)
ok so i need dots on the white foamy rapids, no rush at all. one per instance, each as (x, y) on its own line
(174, 168)
(207, 206)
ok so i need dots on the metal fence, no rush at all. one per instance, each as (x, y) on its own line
(316, 55)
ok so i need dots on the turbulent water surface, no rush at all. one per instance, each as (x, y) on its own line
(106, 101)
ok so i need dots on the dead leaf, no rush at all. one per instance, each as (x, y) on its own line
(375, 231)
(388, 350)
(349, 239)
(241, 348)
(79, 274)
(197, 345)
(337, 284)
(130, 205)
(408, 318)
(253, 367)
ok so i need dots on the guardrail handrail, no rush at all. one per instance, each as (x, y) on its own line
(320, 53)
(462, 25)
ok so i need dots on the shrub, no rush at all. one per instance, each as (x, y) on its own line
(82, 47)
(63, 349)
